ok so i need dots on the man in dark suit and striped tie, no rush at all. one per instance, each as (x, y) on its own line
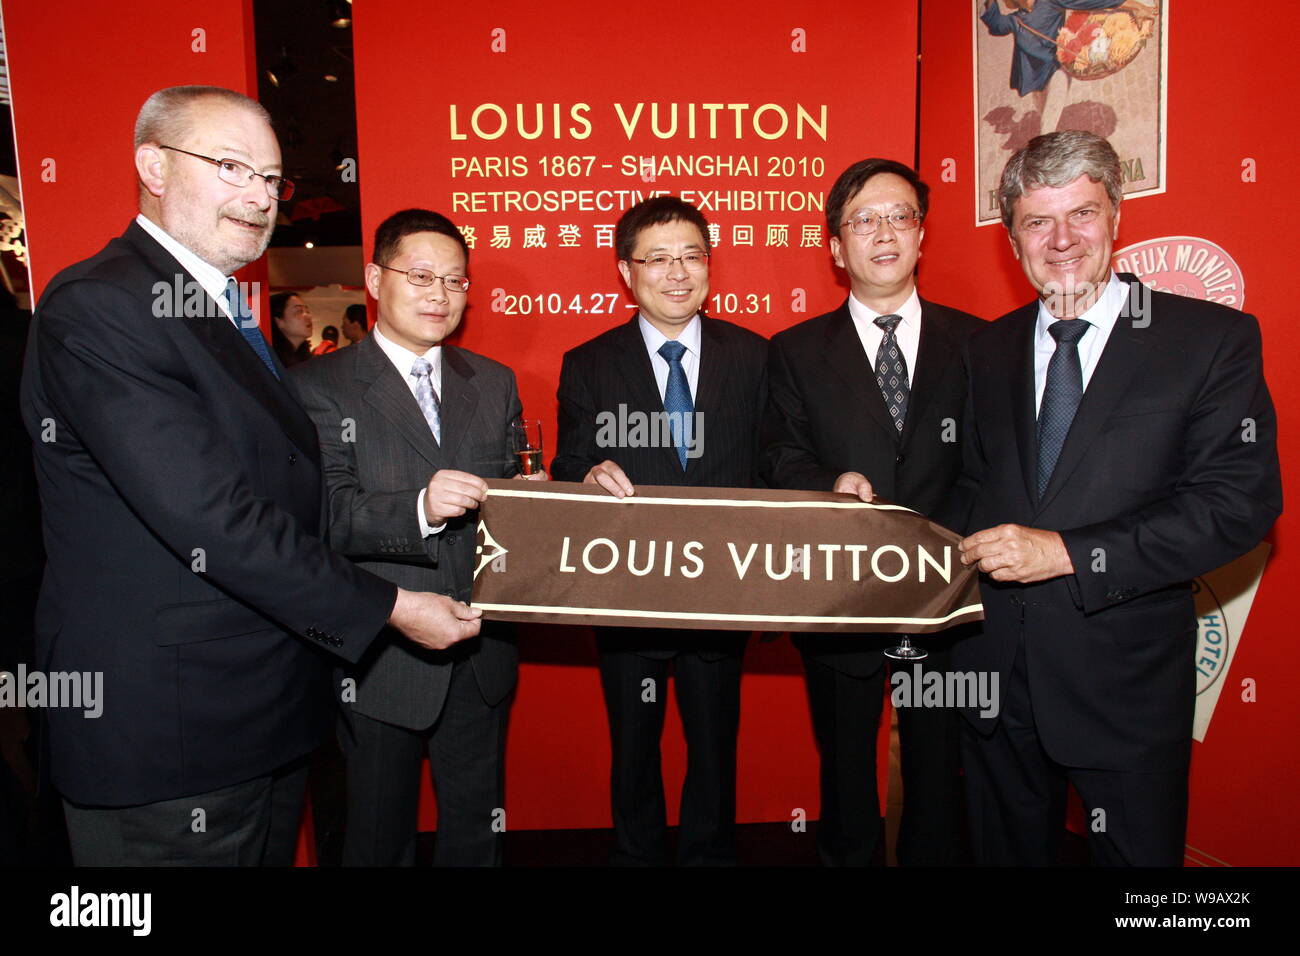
(706, 379)
(869, 398)
(409, 427)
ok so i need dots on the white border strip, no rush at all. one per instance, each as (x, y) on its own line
(694, 502)
(704, 616)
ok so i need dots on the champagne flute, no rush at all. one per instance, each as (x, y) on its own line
(527, 441)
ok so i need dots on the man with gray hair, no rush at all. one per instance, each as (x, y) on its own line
(1119, 443)
(183, 515)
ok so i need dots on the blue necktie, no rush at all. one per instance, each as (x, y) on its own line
(677, 399)
(891, 370)
(426, 397)
(247, 327)
(1061, 396)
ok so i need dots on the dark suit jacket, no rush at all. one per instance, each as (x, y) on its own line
(826, 416)
(375, 472)
(1154, 486)
(172, 448)
(614, 369)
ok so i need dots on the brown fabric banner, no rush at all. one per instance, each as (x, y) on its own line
(730, 558)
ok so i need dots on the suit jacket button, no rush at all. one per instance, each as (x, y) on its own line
(898, 460)
(451, 539)
(293, 459)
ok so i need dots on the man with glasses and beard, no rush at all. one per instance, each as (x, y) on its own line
(183, 507)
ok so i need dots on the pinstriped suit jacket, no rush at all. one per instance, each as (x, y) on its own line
(373, 481)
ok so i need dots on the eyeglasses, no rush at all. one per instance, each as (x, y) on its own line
(241, 174)
(424, 278)
(902, 220)
(694, 261)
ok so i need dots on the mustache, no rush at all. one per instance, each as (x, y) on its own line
(253, 217)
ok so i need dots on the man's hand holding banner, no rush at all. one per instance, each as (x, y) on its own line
(733, 558)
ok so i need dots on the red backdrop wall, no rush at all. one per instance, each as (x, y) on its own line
(1222, 109)
(79, 73)
(529, 303)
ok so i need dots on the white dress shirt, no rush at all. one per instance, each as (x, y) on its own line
(690, 338)
(206, 275)
(1101, 318)
(907, 332)
(402, 360)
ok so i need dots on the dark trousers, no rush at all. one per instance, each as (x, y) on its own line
(846, 720)
(708, 699)
(254, 823)
(466, 750)
(1016, 797)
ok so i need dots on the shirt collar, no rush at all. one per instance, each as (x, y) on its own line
(207, 275)
(1101, 315)
(404, 358)
(690, 336)
(909, 312)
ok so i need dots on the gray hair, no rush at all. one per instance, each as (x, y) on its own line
(165, 116)
(1058, 159)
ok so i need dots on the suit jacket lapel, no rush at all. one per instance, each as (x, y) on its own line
(935, 353)
(393, 399)
(218, 335)
(634, 362)
(846, 356)
(1019, 366)
(459, 400)
(715, 371)
(1120, 360)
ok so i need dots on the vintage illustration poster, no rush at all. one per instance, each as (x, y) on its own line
(1044, 65)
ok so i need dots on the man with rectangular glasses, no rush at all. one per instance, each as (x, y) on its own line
(183, 507)
(409, 427)
(866, 400)
(706, 380)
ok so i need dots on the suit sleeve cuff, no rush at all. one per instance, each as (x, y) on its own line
(1092, 587)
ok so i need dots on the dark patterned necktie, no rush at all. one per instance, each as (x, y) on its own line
(677, 399)
(1061, 395)
(891, 371)
(247, 327)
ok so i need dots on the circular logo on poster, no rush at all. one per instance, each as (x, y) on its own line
(1212, 636)
(1185, 265)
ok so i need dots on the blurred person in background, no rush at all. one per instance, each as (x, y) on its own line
(290, 328)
